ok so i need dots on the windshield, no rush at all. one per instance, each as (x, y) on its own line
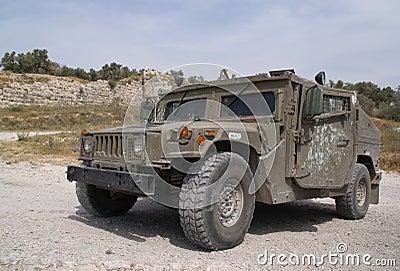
(185, 110)
(247, 105)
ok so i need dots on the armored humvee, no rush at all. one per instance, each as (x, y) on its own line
(212, 150)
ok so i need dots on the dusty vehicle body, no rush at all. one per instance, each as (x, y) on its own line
(323, 144)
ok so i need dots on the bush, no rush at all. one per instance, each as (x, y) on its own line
(15, 109)
(366, 103)
(112, 84)
(390, 112)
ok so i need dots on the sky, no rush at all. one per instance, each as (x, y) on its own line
(351, 40)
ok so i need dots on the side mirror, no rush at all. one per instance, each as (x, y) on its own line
(320, 78)
(314, 102)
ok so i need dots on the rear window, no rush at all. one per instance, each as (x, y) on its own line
(254, 104)
(335, 104)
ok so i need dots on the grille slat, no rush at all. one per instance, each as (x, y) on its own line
(119, 146)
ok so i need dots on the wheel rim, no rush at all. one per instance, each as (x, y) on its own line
(230, 205)
(361, 193)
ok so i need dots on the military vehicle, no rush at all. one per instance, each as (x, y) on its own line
(213, 150)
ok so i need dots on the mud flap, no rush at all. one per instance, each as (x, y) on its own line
(374, 199)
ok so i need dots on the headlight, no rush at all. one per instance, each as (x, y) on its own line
(138, 146)
(87, 145)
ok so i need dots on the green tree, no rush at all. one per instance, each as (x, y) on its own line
(339, 84)
(81, 73)
(366, 103)
(9, 62)
(40, 61)
(195, 79)
(114, 72)
(175, 73)
(368, 89)
(93, 75)
(54, 68)
(31, 62)
(386, 95)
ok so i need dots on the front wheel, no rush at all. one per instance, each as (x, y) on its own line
(215, 206)
(103, 202)
(354, 204)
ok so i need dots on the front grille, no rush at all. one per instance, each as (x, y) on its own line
(108, 146)
(117, 147)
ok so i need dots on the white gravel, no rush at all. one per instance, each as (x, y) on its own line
(42, 227)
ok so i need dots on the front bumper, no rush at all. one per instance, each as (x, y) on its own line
(134, 183)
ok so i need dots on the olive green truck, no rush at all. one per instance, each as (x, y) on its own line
(213, 149)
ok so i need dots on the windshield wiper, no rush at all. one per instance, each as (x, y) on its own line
(178, 108)
(181, 99)
(180, 103)
(237, 96)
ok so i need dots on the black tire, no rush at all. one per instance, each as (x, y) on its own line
(103, 202)
(203, 223)
(354, 204)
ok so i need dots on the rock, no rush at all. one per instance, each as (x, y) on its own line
(109, 251)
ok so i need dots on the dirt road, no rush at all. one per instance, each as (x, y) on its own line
(42, 227)
(12, 136)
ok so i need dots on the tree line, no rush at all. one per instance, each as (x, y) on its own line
(377, 102)
(38, 62)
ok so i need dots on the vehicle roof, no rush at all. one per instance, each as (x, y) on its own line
(283, 76)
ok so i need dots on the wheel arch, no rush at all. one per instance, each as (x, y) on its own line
(242, 149)
(367, 161)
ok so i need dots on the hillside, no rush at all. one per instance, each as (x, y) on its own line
(46, 90)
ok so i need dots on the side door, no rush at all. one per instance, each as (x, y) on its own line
(324, 150)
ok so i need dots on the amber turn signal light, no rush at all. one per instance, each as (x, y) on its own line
(210, 133)
(200, 139)
(184, 133)
(84, 132)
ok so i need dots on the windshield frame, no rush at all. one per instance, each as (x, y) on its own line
(214, 96)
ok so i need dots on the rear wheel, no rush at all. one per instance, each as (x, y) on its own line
(103, 202)
(219, 221)
(354, 204)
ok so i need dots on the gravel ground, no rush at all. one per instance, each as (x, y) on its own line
(43, 227)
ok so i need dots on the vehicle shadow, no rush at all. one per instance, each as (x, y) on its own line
(300, 216)
(149, 219)
(146, 219)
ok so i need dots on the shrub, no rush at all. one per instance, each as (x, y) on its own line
(112, 84)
